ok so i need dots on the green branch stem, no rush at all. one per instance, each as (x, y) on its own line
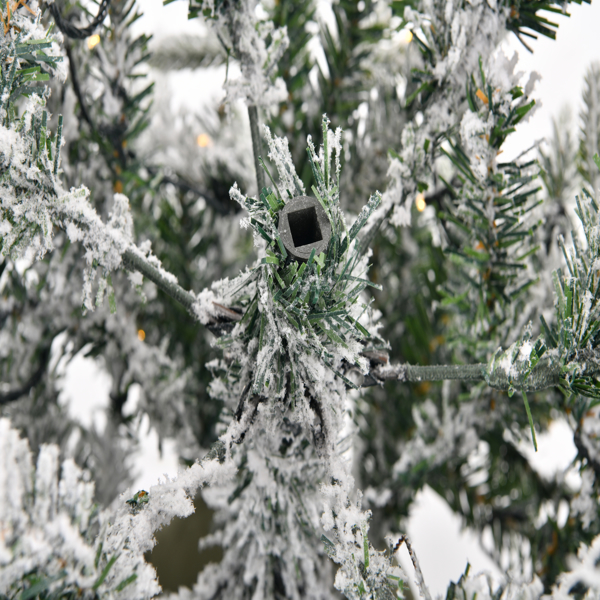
(544, 375)
(221, 315)
(416, 373)
(256, 146)
(134, 262)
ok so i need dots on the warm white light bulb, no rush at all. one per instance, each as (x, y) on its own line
(204, 140)
(405, 36)
(93, 41)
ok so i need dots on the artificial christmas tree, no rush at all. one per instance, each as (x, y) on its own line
(438, 322)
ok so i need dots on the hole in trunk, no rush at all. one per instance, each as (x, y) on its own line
(304, 226)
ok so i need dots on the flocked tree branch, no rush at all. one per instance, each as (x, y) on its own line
(297, 332)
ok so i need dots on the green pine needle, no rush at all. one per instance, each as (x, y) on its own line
(528, 411)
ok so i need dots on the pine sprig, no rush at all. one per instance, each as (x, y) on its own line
(30, 168)
(319, 300)
(488, 215)
(565, 354)
(575, 335)
(524, 20)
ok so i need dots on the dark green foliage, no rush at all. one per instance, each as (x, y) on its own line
(33, 67)
(576, 331)
(344, 83)
(113, 135)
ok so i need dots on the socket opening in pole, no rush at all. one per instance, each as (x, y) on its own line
(304, 226)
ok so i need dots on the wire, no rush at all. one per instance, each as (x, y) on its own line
(76, 32)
